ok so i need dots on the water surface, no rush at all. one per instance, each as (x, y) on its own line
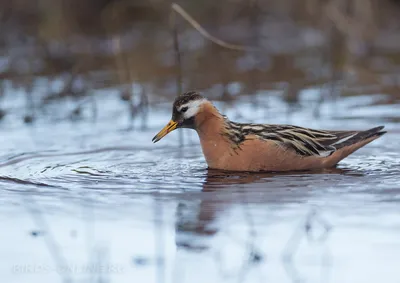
(93, 200)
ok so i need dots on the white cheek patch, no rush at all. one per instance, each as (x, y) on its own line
(193, 108)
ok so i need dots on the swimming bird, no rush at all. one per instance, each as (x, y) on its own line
(252, 147)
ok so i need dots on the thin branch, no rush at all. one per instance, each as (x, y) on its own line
(204, 33)
(51, 244)
(179, 77)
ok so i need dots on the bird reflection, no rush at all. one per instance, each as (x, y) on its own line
(198, 219)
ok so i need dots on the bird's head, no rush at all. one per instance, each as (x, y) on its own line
(184, 110)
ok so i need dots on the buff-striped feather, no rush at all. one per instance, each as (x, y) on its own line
(304, 141)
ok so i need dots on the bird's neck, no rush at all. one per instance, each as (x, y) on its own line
(211, 128)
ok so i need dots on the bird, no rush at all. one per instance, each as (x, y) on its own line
(232, 146)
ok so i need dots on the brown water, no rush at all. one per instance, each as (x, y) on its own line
(96, 201)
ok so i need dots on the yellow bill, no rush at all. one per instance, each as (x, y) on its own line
(172, 125)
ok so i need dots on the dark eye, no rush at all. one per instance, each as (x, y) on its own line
(184, 109)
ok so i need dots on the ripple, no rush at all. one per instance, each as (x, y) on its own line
(115, 187)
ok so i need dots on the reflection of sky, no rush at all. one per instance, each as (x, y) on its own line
(362, 247)
(111, 196)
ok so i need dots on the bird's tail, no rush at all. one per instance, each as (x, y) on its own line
(361, 136)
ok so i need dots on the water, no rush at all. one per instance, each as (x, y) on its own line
(93, 200)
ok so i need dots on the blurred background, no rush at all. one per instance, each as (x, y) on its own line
(148, 52)
(86, 196)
